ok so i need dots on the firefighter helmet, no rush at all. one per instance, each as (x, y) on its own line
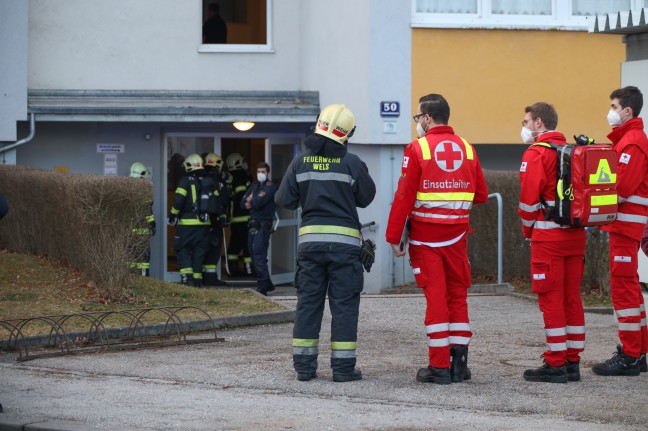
(214, 160)
(336, 122)
(138, 170)
(193, 162)
(235, 162)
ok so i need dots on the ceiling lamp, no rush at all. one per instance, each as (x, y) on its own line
(243, 126)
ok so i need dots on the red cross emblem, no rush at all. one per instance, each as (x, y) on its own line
(448, 156)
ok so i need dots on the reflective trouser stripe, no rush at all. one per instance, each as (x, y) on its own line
(209, 268)
(343, 345)
(305, 351)
(186, 271)
(557, 347)
(627, 312)
(240, 219)
(438, 327)
(459, 327)
(463, 341)
(629, 326)
(343, 353)
(305, 342)
(438, 342)
(232, 257)
(575, 329)
(555, 332)
(572, 344)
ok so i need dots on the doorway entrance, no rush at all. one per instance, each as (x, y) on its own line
(278, 151)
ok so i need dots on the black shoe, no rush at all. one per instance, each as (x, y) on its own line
(643, 367)
(304, 377)
(352, 377)
(546, 373)
(430, 374)
(270, 287)
(262, 292)
(573, 371)
(197, 283)
(619, 364)
(459, 370)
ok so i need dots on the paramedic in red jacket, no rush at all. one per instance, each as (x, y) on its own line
(629, 140)
(557, 252)
(440, 180)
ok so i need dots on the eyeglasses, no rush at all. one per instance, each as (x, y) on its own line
(417, 116)
(524, 122)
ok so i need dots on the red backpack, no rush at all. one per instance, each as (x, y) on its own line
(585, 184)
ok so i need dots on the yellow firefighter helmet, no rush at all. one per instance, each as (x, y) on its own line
(214, 160)
(138, 170)
(235, 162)
(336, 122)
(193, 162)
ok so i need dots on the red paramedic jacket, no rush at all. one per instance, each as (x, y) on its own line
(631, 145)
(538, 180)
(441, 178)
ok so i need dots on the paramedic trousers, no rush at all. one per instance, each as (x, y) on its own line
(322, 268)
(191, 244)
(627, 299)
(557, 270)
(444, 275)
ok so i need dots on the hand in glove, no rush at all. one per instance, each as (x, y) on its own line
(152, 228)
(173, 220)
(367, 255)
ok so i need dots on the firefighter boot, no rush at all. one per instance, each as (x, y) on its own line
(304, 377)
(573, 371)
(187, 279)
(619, 364)
(643, 367)
(356, 374)
(459, 370)
(430, 374)
(546, 373)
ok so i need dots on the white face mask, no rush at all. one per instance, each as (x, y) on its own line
(527, 136)
(420, 130)
(261, 177)
(614, 119)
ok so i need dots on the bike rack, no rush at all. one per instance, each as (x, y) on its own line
(99, 336)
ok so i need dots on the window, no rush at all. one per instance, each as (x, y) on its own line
(236, 26)
(515, 14)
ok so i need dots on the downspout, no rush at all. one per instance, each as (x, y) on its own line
(32, 133)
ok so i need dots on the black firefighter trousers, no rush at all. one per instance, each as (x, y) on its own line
(335, 269)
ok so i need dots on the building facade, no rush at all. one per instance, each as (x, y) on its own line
(91, 87)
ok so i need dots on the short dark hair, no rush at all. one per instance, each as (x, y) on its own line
(263, 165)
(436, 107)
(213, 7)
(544, 111)
(629, 96)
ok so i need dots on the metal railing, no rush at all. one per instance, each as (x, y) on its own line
(499, 234)
(130, 332)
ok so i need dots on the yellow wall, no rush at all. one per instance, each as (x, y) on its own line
(490, 76)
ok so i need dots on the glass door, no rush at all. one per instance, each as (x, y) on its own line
(178, 147)
(283, 242)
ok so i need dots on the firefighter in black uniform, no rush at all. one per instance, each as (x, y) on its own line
(329, 184)
(222, 189)
(190, 217)
(259, 199)
(142, 249)
(239, 217)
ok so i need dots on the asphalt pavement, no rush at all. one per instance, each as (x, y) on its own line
(247, 382)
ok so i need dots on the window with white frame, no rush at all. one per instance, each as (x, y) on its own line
(515, 14)
(236, 26)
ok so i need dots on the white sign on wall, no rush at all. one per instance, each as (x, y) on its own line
(110, 165)
(110, 148)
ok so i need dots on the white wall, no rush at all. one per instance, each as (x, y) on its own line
(150, 45)
(13, 67)
(636, 73)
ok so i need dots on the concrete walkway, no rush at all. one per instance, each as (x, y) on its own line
(247, 382)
